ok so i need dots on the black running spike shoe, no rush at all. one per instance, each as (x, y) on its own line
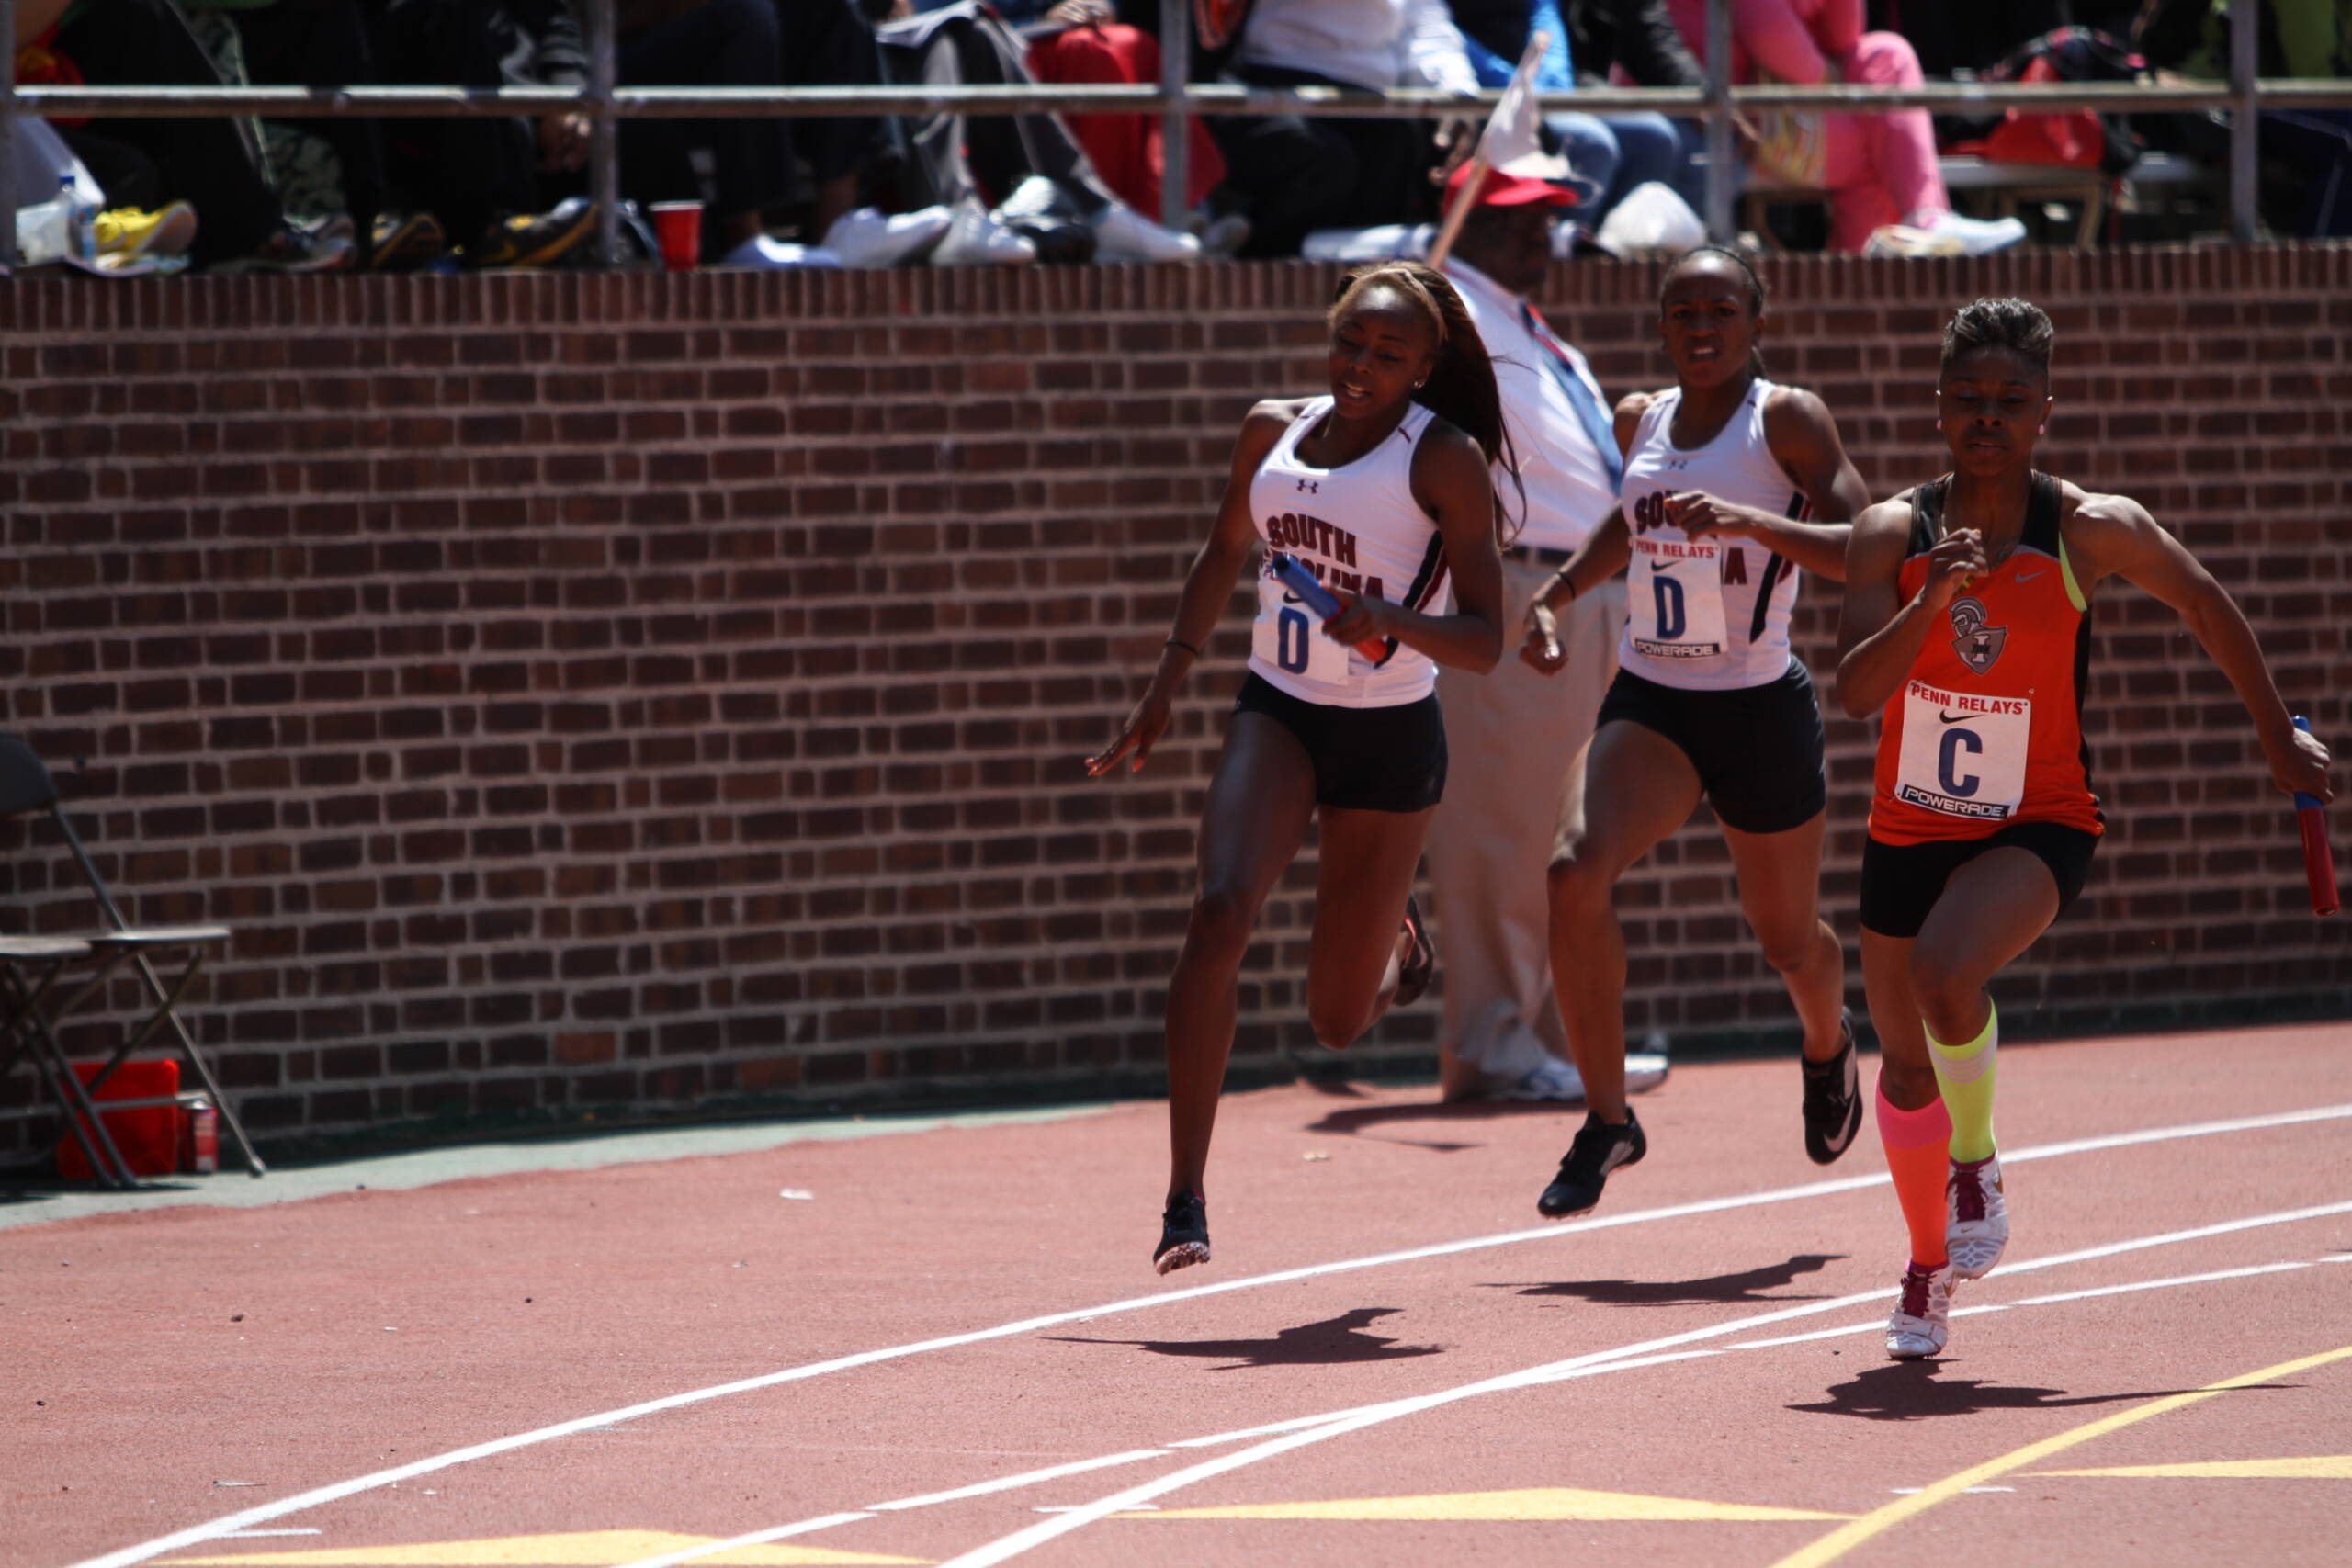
(1600, 1148)
(1413, 975)
(1183, 1234)
(1833, 1100)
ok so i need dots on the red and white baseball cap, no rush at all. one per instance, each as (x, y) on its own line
(1502, 189)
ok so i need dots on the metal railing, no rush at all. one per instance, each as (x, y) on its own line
(1174, 100)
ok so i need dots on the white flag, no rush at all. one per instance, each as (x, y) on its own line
(1512, 142)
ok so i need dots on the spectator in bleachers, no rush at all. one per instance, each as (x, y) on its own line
(2297, 37)
(1081, 40)
(1636, 42)
(145, 166)
(740, 44)
(479, 182)
(1886, 192)
(305, 43)
(1290, 174)
(1020, 185)
(1611, 154)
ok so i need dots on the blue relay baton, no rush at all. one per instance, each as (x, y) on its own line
(2319, 864)
(1294, 576)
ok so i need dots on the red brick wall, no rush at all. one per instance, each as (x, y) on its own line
(585, 692)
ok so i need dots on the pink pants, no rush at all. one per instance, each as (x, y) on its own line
(1880, 168)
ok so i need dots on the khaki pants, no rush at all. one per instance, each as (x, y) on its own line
(1513, 738)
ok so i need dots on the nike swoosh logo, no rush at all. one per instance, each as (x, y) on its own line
(2030, 576)
(1953, 718)
(1290, 598)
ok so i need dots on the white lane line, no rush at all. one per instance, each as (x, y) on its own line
(1020, 1540)
(2029, 1301)
(1010, 1483)
(757, 1537)
(1006, 1483)
(1874, 1324)
(336, 1490)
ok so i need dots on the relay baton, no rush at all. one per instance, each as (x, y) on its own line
(2318, 864)
(1321, 600)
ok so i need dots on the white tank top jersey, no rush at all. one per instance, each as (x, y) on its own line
(1358, 527)
(1710, 614)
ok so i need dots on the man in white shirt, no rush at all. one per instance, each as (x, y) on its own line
(1515, 735)
(1289, 174)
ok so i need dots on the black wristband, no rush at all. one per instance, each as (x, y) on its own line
(1178, 642)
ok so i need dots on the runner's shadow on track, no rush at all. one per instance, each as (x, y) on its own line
(1357, 1122)
(1914, 1391)
(1727, 1289)
(1335, 1341)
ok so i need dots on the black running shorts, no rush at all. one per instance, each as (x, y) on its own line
(1902, 881)
(1758, 749)
(1388, 759)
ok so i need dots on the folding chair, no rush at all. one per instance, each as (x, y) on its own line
(29, 969)
(26, 785)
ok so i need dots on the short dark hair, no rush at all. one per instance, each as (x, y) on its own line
(2014, 326)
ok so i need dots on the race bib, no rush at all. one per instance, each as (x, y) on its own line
(1675, 598)
(1962, 755)
(1289, 636)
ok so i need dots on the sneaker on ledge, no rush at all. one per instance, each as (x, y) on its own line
(977, 237)
(132, 232)
(534, 240)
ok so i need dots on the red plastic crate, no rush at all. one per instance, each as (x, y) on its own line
(149, 1139)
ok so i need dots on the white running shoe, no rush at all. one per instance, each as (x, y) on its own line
(1975, 236)
(1922, 1321)
(761, 253)
(977, 237)
(1903, 240)
(1550, 1079)
(1646, 1068)
(1976, 1216)
(1123, 234)
(864, 237)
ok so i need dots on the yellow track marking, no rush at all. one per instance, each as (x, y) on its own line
(1844, 1539)
(585, 1549)
(2314, 1467)
(1550, 1503)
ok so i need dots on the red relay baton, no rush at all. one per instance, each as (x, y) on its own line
(2319, 865)
(1321, 600)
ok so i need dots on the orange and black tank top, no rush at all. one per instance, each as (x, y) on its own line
(1986, 729)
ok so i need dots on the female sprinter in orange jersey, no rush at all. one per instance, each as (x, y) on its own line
(1967, 625)
(1383, 489)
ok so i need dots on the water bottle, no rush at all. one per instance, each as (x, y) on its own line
(80, 222)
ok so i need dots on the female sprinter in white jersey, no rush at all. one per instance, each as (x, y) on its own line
(1382, 488)
(1967, 629)
(1734, 487)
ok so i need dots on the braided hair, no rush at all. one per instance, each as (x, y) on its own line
(1461, 386)
(1755, 290)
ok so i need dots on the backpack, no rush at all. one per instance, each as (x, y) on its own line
(2078, 138)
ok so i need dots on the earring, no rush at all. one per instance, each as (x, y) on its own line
(1940, 424)
(2044, 430)
(1419, 384)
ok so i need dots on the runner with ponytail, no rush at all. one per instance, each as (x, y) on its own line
(1381, 489)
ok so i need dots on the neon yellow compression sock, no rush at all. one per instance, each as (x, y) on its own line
(1964, 1074)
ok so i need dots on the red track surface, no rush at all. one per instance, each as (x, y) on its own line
(151, 1356)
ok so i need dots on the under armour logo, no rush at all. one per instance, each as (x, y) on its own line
(1310, 487)
(1677, 462)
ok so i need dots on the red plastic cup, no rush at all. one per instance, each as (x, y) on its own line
(678, 226)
